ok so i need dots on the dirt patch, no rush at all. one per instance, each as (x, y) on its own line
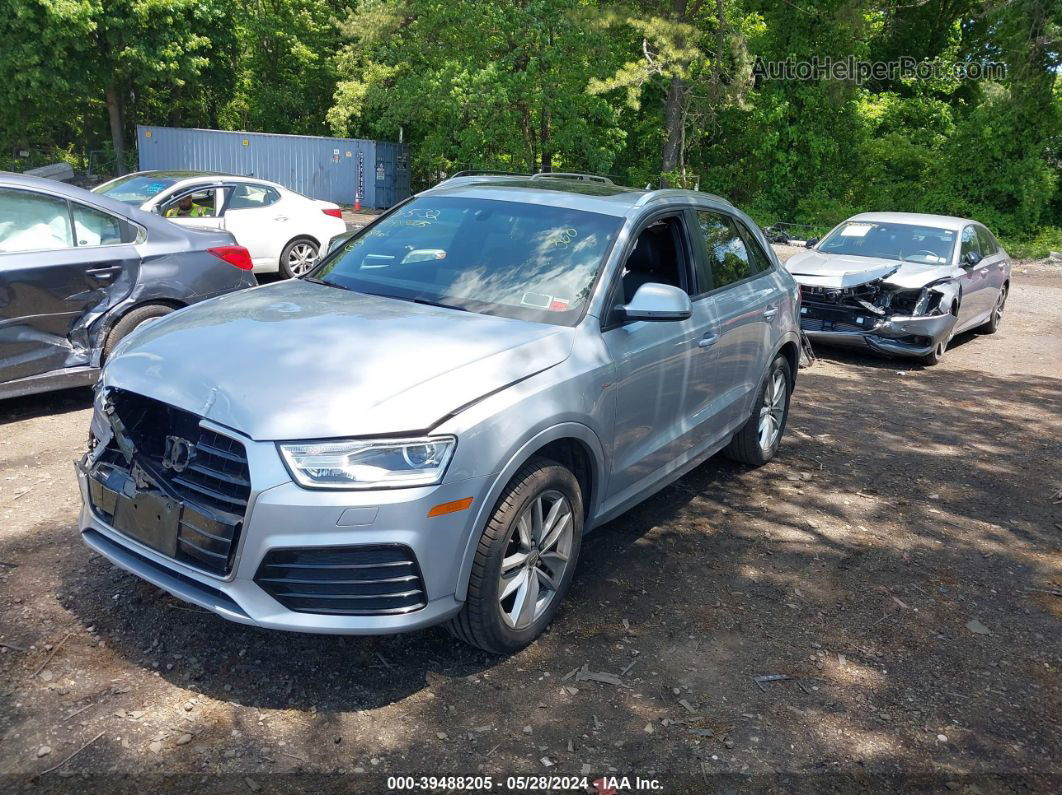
(900, 564)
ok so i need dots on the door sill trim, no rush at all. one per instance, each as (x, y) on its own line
(45, 382)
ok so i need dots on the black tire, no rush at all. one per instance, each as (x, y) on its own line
(745, 446)
(130, 321)
(994, 321)
(286, 268)
(935, 355)
(480, 621)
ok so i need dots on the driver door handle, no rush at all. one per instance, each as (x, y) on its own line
(770, 311)
(707, 341)
(280, 218)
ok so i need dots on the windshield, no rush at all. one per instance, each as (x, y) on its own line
(925, 244)
(526, 261)
(135, 190)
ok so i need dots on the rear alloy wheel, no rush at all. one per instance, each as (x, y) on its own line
(994, 321)
(757, 441)
(298, 258)
(525, 561)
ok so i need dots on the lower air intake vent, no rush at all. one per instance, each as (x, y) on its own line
(380, 579)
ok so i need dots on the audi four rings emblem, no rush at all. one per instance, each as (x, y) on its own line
(179, 453)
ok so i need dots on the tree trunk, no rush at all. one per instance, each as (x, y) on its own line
(114, 113)
(545, 119)
(673, 107)
(544, 141)
(673, 124)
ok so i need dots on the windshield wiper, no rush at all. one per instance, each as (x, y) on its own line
(426, 302)
(423, 301)
(316, 280)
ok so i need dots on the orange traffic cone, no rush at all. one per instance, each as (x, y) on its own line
(357, 203)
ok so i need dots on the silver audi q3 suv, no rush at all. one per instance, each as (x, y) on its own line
(422, 429)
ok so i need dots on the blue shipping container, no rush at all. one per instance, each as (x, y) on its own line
(333, 169)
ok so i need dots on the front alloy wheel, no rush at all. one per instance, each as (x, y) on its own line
(525, 559)
(935, 355)
(536, 559)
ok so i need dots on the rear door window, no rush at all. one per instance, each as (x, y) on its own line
(988, 243)
(757, 255)
(95, 228)
(252, 197)
(32, 222)
(728, 258)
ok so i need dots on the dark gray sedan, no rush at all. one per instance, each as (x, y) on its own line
(79, 271)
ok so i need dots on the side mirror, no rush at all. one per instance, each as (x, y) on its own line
(811, 243)
(655, 302)
(970, 259)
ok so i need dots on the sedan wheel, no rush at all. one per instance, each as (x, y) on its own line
(935, 355)
(995, 320)
(298, 258)
(536, 560)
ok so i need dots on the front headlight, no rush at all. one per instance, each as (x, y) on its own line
(369, 463)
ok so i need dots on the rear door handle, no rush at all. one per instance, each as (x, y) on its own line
(105, 273)
(770, 312)
(707, 341)
(280, 218)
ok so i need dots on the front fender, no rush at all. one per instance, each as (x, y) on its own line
(520, 454)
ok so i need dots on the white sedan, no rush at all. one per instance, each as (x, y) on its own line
(284, 231)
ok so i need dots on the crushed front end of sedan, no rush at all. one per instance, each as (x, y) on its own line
(901, 284)
(892, 312)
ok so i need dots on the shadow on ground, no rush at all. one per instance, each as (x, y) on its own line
(64, 401)
(900, 510)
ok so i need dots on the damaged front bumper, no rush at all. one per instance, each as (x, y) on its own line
(225, 527)
(897, 335)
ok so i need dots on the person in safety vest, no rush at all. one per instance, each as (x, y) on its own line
(186, 209)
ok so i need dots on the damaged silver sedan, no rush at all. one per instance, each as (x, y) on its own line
(902, 284)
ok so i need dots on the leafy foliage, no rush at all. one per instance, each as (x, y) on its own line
(648, 91)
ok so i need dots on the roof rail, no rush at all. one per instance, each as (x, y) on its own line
(572, 175)
(664, 193)
(483, 172)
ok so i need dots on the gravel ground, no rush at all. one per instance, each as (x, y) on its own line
(900, 562)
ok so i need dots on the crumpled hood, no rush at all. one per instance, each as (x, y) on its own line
(297, 360)
(817, 269)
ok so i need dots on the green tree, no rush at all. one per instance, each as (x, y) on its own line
(689, 57)
(61, 56)
(284, 65)
(477, 84)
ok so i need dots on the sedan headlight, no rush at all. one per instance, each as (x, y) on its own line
(369, 463)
